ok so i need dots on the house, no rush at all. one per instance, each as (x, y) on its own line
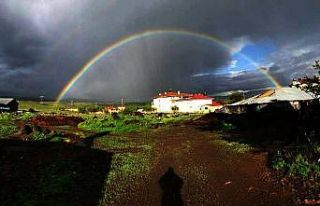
(210, 108)
(114, 109)
(8, 105)
(171, 102)
(278, 97)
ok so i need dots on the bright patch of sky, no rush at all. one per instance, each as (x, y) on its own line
(251, 56)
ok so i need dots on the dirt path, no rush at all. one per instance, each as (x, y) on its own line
(212, 174)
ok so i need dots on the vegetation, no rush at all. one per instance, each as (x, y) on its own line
(6, 130)
(132, 161)
(7, 126)
(131, 108)
(52, 107)
(234, 97)
(7, 123)
(127, 123)
(298, 164)
(234, 146)
(313, 83)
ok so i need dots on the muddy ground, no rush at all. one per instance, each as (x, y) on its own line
(210, 172)
(172, 165)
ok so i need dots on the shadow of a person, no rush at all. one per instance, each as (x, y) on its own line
(171, 185)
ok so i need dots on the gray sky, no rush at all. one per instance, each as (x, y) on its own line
(44, 43)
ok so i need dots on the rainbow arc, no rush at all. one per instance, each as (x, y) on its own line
(148, 33)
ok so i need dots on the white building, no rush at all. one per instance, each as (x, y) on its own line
(169, 102)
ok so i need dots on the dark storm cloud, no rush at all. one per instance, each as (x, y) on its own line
(52, 40)
(18, 48)
(169, 66)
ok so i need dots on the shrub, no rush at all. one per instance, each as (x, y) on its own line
(300, 166)
(278, 162)
(295, 165)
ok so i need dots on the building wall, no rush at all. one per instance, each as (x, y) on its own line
(192, 106)
(11, 107)
(209, 108)
(164, 105)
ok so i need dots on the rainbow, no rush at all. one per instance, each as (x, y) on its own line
(137, 36)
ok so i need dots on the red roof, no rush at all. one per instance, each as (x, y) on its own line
(173, 94)
(216, 103)
(183, 95)
(200, 96)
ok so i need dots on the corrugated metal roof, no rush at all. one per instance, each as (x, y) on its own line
(277, 94)
(6, 100)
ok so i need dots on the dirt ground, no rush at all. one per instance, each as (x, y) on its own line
(179, 164)
(204, 173)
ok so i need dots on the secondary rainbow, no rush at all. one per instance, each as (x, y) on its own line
(137, 36)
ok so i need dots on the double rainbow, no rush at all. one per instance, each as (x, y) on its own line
(137, 36)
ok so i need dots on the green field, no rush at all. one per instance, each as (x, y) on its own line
(124, 122)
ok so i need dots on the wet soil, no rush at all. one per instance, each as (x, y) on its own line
(211, 173)
(206, 173)
(55, 120)
(34, 173)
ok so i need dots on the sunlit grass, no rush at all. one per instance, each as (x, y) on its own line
(127, 123)
(233, 146)
(131, 161)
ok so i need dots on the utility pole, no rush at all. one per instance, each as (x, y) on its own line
(41, 99)
(122, 102)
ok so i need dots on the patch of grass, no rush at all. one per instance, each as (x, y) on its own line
(178, 118)
(128, 165)
(234, 146)
(25, 116)
(57, 177)
(108, 124)
(7, 126)
(114, 142)
(50, 106)
(227, 127)
(132, 161)
(126, 123)
(6, 130)
(5, 117)
(126, 169)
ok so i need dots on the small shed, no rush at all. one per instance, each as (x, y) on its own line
(279, 96)
(8, 105)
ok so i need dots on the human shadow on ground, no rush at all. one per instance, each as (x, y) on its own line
(171, 185)
(88, 141)
(51, 173)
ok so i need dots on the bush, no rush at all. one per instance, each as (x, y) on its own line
(278, 162)
(300, 166)
(234, 97)
(39, 136)
(295, 165)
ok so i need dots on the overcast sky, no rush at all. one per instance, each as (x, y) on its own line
(44, 43)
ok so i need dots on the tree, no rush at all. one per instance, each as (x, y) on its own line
(234, 97)
(175, 109)
(316, 66)
(311, 84)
